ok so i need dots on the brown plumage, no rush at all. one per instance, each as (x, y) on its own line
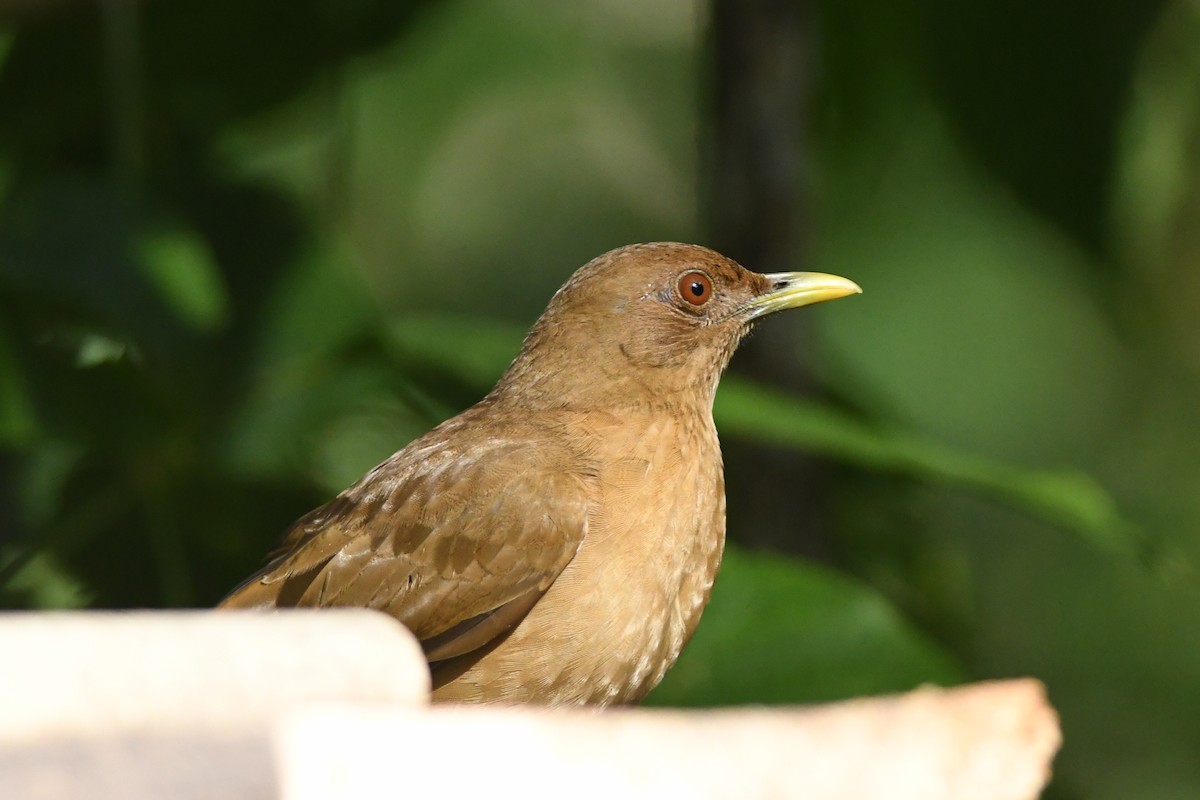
(556, 542)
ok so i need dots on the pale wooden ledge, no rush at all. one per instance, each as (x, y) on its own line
(988, 741)
(80, 673)
(333, 704)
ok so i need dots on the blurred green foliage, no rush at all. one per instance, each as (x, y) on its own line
(248, 250)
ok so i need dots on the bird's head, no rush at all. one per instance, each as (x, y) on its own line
(647, 322)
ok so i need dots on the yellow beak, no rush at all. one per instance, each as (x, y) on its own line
(795, 289)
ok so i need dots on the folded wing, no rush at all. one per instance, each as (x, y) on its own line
(458, 548)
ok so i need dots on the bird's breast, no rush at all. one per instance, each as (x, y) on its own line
(620, 613)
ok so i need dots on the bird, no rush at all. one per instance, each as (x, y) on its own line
(555, 543)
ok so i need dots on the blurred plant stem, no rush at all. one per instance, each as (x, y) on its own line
(755, 200)
(123, 77)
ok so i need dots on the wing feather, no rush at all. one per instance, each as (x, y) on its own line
(457, 549)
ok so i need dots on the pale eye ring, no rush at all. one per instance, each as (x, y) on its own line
(695, 288)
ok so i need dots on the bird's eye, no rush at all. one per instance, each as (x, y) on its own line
(695, 288)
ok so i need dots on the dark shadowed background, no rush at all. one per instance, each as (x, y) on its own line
(248, 249)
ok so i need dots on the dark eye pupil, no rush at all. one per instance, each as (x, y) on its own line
(696, 288)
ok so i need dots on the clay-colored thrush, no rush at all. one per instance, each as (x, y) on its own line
(556, 542)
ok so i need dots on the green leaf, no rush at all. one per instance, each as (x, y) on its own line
(321, 401)
(17, 420)
(43, 583)
(1156, 158)
(476, 352)
(784, 631)
(1067, 498)
(96, 349)
(180, 265)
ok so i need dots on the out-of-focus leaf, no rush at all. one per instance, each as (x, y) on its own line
(475, 351)
(44, 483)
(308, 376)
(352, 443)
(43, 583)
(1067, 498)
(1054, 168)
(180, 265)
(319, 306)
(1157, 160)
(783, 631)
(17, 422)
(980, 325)
(479, 352)
(96, 349)
(271, 53)
(299, 404)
